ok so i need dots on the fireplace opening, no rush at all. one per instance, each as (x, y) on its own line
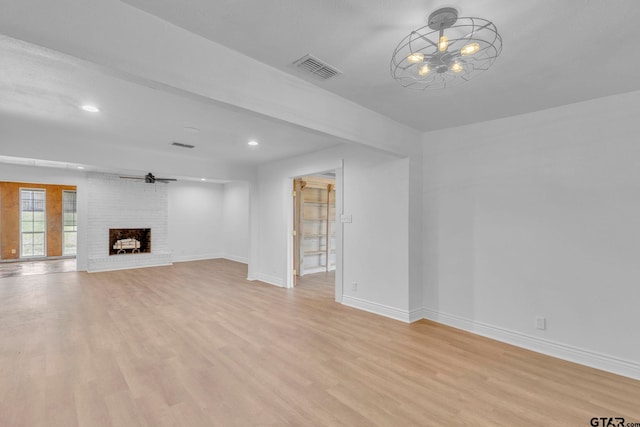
(129, 241)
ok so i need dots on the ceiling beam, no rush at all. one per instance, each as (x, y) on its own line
(148, 50)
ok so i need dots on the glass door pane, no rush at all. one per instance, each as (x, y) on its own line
(69, 223)
(33, 223)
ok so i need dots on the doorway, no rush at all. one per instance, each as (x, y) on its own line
(38, 228)
(314, 229)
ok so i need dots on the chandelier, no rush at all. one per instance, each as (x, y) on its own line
(433, 58)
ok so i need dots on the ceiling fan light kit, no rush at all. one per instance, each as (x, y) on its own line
(448, 51)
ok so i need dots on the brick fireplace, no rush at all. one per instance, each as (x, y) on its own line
(126, 211)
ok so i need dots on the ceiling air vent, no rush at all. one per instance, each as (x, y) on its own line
(180, 144)
(313, 66)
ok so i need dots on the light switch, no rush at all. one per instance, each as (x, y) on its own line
(344, 218)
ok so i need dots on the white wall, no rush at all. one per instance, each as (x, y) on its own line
(376, 243)
(374, 188)
(270, 198)
(196, 220)
(538, 215)
(235, 220)
(415, 225)
(209, 220)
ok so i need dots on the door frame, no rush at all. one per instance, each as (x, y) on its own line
(338, 285)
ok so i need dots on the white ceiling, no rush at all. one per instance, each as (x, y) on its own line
(41, 92)
(555, 53)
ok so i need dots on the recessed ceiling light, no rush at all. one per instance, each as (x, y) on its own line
(202, 179)
(190, 129)
(80, 167)
(253, 143)
(91, 108)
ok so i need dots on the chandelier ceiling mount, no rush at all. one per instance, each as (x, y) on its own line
(442, 18)
(448, 51)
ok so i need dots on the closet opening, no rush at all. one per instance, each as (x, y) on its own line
(314, 229)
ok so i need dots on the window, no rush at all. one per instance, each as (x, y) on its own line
(69, 223)
(33, 223)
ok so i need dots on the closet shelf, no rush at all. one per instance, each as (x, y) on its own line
(315, 224)
(332, 204)
(320, 252)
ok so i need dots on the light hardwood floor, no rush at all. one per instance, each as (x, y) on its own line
(29, 268)
(197, 345)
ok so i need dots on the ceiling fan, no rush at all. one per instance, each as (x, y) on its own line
(150, 178)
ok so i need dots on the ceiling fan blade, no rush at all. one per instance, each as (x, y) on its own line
(150, 178)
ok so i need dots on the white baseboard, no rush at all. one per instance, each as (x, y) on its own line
(129, 267)
(128, 262)
(382, 310)
(272, 280)
(199, 257)
(243, 260)
(561, 351)
(416, 314)
(202, 257)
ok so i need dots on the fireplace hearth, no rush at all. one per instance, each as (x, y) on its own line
(127, 241)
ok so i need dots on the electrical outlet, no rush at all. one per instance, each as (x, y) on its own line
(354, 287)
(541, 323)
(13, 251)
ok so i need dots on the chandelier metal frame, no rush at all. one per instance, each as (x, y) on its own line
(424, 59)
